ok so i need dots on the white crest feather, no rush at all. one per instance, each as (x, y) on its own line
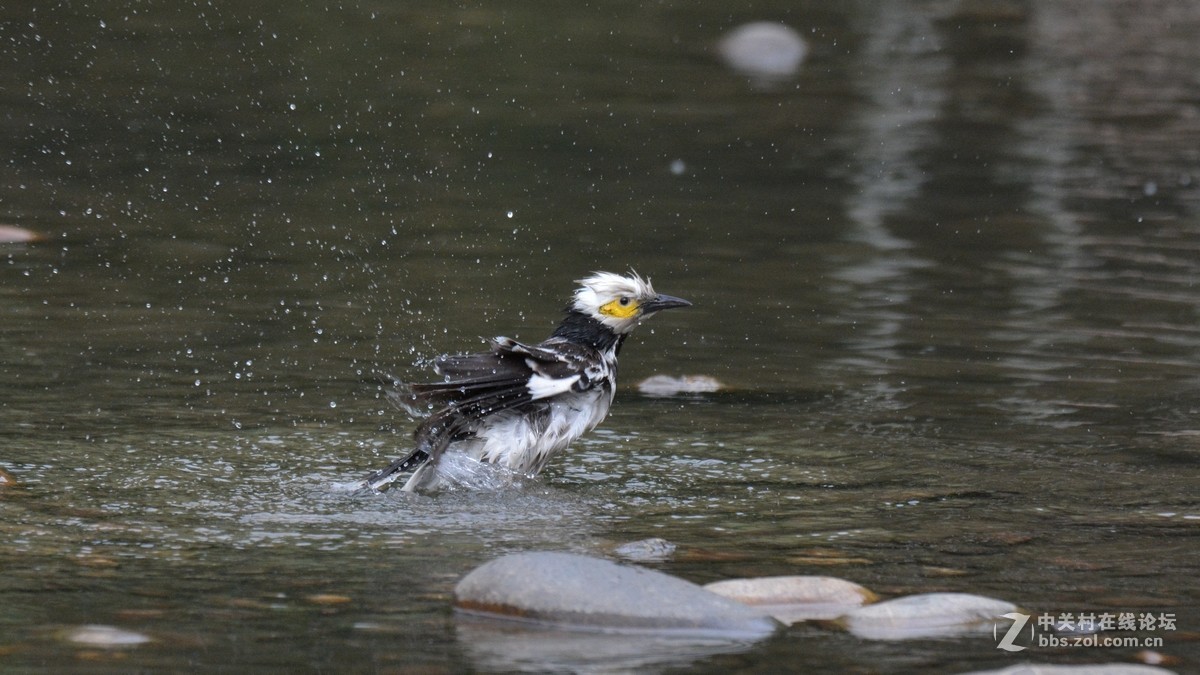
(604, 287)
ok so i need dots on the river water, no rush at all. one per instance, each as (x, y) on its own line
(949, 274)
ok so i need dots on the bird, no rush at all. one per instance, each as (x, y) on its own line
(518, 405)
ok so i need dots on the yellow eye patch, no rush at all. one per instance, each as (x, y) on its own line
(619, 310)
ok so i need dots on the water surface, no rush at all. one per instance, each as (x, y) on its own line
(948, 273)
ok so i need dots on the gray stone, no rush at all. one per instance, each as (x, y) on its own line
(654, 549)
(569, 590)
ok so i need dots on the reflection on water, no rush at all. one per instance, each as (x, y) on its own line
(505, 647)
(948, 273)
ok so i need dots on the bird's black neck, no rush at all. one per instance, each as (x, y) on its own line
(584, 330)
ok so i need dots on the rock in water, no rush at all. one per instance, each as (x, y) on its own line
(10, 234)
(927, 615)
(576, 591)
(796, 598)
(666, 385)
(654, 549)
(108, 637)
(763, 49)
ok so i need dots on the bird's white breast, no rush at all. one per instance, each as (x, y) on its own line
(524, 446)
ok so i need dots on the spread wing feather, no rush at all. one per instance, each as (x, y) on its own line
(503, 372)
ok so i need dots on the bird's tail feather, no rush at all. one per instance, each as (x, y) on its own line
(432, 438)
(391, 472)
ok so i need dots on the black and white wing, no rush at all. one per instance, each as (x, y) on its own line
(511, 375)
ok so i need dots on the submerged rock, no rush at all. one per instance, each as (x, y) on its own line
(796, 598)
(927, 615)
(580, 592)
(654, 549)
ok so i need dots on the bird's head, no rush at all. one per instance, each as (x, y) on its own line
(620, 302)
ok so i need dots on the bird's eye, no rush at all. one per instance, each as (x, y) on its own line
(624, 300)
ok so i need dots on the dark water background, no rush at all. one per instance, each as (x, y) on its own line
(950, 273)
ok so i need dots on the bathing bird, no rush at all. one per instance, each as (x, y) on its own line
(518, 405)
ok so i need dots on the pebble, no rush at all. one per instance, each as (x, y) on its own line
(763, 49)
(109, 637)
(667, 385)
(10, 234)
(571, 590)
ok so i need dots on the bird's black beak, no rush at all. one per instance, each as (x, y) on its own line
(661, 302)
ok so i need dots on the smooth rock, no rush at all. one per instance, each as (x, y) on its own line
(927, 615)
(1082, 669)
(796, 598)
(580, 592)
(763, 49)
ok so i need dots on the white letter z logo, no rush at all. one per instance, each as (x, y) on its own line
(1013, 631)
